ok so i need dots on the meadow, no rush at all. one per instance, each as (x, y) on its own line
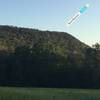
(17, 93)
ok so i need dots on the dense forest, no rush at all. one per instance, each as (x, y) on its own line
(34, 58)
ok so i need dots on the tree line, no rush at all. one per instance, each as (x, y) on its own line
(44, 65)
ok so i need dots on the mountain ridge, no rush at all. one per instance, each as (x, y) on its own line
(30, 57)
(10, 31)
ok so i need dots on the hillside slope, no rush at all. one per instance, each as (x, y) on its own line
(13, 37)
(29, 57)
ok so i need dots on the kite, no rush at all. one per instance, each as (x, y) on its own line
(78, 14)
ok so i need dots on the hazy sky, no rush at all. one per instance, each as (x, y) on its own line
(53, 15)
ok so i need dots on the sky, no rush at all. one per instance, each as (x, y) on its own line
(53, 15)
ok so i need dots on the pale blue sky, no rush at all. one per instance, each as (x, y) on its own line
(53, 15)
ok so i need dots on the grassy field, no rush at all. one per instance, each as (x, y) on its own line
(11, 93)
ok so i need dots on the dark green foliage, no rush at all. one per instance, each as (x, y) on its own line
(30, 57)
(96, 46)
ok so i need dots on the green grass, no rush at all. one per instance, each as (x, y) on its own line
(11, 93)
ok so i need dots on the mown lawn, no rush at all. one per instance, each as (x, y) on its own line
(11, 93)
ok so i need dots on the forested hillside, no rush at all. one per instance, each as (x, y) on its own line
(30, 57)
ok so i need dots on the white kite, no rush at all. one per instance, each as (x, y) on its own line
(78, 14)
